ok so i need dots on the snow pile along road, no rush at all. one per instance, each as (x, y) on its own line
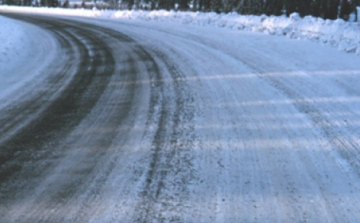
(19, 63)
(338, 33)
(343, 35)
(13, 51)
(10, 47)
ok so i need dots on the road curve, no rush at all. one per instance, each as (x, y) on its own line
(148, 122)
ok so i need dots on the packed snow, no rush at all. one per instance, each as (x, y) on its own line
(343, 35)
(196, 123)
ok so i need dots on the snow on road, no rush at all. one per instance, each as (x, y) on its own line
(274, 123)
(184, 123)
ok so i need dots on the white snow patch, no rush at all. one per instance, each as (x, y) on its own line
(10, 47)
(21, 54)
(12, 50)
(343, 35)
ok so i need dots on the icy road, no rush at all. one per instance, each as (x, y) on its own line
(133, 121)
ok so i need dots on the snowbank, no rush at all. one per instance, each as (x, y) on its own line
(12, 50)
(22, 56)
(343, 35)
(10, 47)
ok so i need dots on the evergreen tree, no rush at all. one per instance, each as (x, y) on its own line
(291, 6)
(27, 2)
(216, 6)
(273, 7)
(329, 9)
(354, 6)
(304, 7)
(250, 7)
(184, 4)
(129, 3)
(136, 4)
(166, 4)
(201, 4)
(300, 6)
(315, 8)
(206, 5)
(195, 5)
(334, 9)
(66, 4)
(346, 8)
(228, 5)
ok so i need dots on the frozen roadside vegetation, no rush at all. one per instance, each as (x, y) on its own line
(343, 35)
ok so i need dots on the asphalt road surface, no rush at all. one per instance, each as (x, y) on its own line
(153, 122)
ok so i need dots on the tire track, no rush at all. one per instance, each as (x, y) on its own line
(62, 113)
(170, 153)
(170, 169)
(65, 108)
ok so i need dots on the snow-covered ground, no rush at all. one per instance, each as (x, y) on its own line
(138, 120)
(20, 43)
(343, 35)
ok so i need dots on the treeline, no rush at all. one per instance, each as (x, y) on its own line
(47, 3)
(326, 9)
